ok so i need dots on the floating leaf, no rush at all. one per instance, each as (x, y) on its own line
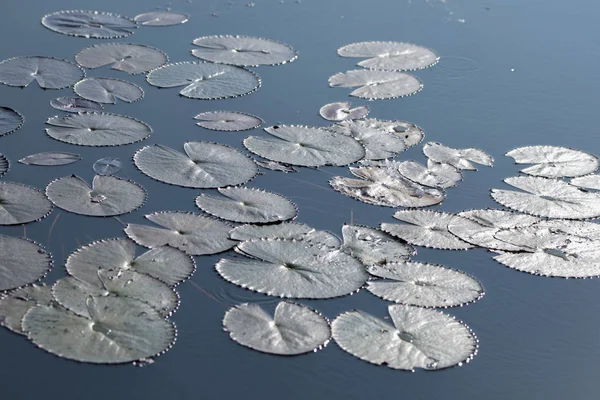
(427, 229)
(294, 329)
(379, 144)
(4, 165)
(554, 161)
(582, 229)
(204, 80)
(284, 230)
(107, 166)
(20, 204)
(89, 24)
(458, 158)
(479, 227)
(276, 166)
(548, 198)
(373, 247)
(120, 330)
(51, 158)
(15, 305)
(423, 285)
(204, 165)
(588, 182)
(75, 104)
(49, 73)
(97, 129)
(341, 111)
(161, 18)
(305, 146)
(434, 175)
(390, 56)
(73, 293)
(245, 51)
(108, 195)
(165, 263)
(243, 204)
(21, 262)
(227, 121)
(192, 233)
(411, 134)
(374, 85)
(131, 58)
(418, 338)
(108, 90)
(385, 186)
(10, 120)
(297, 269)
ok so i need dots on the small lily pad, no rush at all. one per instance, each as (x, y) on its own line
(245, 51)
(458, 158)
(50, 158)
(227, 121)
(108, 90)
(107, 166)
(374, 85)
(161, 18)
(341, 111)
(49, 73)
(10, 120)
(390, 56)
(20, 204)
(21, 262)
(554, 161)
(130, 58)
(75, 104)
(89, 24)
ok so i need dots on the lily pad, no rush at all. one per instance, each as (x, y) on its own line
(305, 146)
(75, 104)
(418, 338)
(16, 303)
(108, 195)
(374, 85)
(108, 90)
(49, 73)
(120, 330)
(434, 175)
(554, 161)
(341, 111)
(165, 263)
(296, 269)
(245, 51)
(161, 18)
(423, 285)
(379, 144)
(243, 204)
(410, 133)
(97, 129)
(385, 186)
(21, 262)
(89, 24)
(284, 230)
(550, 198)
(204, 165)
(373, 247)
(10, 120)
(131, 58)
(204, 80)
(4, 165)
(427, 229)
(50, 158)
(583, 229)
(390, 56)
(458, 158)
(107, 166)
(20, 204)
(294, 329)
(192, 233)
(227, 121)
(591, 181)
(276, 166)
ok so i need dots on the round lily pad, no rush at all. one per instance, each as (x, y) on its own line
(21, 262)
(10, 120)
(341, 111)
(374, 85)
(228, 121)
(130, 58)
(89, 24)
(390, 56)
(242, 50)
(20, 204)
(161, 18)
(434, 175)
(16, 303)
(107, 166)
(108, 90)
(554, 161)
(49, 73)
(75, 104)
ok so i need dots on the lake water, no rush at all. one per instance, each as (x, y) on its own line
(511, 73)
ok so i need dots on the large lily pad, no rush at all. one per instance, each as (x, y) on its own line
(204, 80)
(165, 263)
(305, 146)
(410, 133)
(423, 285)
(554, 161)
(97, 129)
(21, 262)
(548, 198)
(192, 233)
(89, 24)
(204, 165)
(228, 121)
(16, 303)
(49, 73)
(131, 58)
(161, 18)
(75, 104)
(50, 158)
(374, 85)
(10, 120)
(284, 230)
(390, 56)
(418, 338)
(458, 158)
(296, 269)
(294, 329)
(245, 51)
(243, 204)
(120, 330)
(20, 204)
(108, 195)
(434, 175)
(373, 247)
(108, 90)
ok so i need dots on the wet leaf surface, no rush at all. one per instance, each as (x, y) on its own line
(242, 50)
(49, 73)
(374, 85)
(130, 58)
(89, 24)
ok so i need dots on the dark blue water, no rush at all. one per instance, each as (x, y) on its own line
(510, 74)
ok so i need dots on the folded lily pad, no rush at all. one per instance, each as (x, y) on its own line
(21, 262)
(108, 90)
(458, 158)
(131, 58)
(373, 247)
(49, 73)
(89, 24)
(10, 120)
(554, 161)
(108, 195)
(390, 56)
(374, 85)
(434, 175)
(161, 18)
(410, 133)
(284, 230)
(228, 121)
(75, 104)
(245, 51)
(16, 303)
(341, 111)
(20, 204)
(52, 158)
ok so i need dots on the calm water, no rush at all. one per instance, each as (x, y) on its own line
(511, 74)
